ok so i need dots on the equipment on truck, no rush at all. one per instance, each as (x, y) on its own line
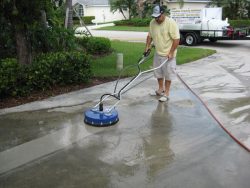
(198, 24)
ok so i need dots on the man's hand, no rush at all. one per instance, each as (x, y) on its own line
(146, 53)
(173, 48)
(170, 56)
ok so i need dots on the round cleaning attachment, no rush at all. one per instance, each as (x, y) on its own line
(95, 117)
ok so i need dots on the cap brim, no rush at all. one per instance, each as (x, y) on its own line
(155, 15)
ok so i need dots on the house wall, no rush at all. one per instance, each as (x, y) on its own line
(187, 5)
(102, 14)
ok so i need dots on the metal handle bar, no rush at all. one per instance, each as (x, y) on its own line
(115, 94)
(140, 73)
(118, 95)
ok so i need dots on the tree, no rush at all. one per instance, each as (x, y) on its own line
(118, 5)
(20, 22)
(19, 15)
(233, 9)
(121, 6)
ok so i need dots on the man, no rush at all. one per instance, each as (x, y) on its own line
(164, 33)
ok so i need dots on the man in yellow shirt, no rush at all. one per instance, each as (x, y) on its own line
(164, 33)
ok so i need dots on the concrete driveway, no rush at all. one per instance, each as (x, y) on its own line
(223, 82)
(173, 144)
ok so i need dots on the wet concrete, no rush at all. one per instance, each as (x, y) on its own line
(223, 82)
(173, 144)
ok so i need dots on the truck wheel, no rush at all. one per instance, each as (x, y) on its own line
(190, 39)
(212, 40)
(182, 40)
(198, 37)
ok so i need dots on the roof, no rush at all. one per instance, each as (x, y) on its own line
(91, 2)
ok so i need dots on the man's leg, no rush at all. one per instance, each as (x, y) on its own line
(167, 87)
(169, 72)
(160, 84)
(166, 93)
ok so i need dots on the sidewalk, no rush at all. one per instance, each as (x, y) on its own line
(129, 36)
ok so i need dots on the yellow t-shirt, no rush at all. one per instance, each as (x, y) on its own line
(163, 35)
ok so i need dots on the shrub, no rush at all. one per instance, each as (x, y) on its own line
(52, 39)
(88, 19)
(141, 22)
(62, 68)
(98, 45)
(134, 22)
(123, 22)
(95, 45)
(45, 71)
(9, 69)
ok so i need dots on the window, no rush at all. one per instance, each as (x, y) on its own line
(80, 11)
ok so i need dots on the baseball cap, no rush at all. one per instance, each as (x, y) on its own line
(156, 11)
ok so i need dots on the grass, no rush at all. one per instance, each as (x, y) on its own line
(188, 54)
(106, 66)
(125, 28)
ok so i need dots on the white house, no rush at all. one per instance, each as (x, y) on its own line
(98, 8)
(101, 8)
(188, 4)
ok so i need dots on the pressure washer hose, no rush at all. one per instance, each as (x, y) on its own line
(212, 114)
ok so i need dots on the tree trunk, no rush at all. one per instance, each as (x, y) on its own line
(70, 14)
(122, 13)
(22, 47)
(44, 18)
(140, 8)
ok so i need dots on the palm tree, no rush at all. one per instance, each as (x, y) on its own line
(117, 5)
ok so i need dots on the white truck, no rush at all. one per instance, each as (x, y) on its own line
(198, 24)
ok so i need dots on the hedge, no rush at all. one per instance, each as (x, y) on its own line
(95, 45)
(46, 71)
(239, 23)
(134, 22)
(88, 19)
(145, 22)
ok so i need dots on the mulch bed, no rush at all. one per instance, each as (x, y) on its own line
(56, 90)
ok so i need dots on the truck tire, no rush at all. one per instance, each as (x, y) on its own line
(212, 39)
(182, 39)
(190, 39)
(198, 37)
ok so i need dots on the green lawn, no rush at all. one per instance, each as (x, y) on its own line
(124, 28)
(106, 66)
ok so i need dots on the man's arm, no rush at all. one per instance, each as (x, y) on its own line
(148, 42)
(173, 48)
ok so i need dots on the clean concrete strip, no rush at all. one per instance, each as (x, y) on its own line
(122, 35)
(27, 152)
